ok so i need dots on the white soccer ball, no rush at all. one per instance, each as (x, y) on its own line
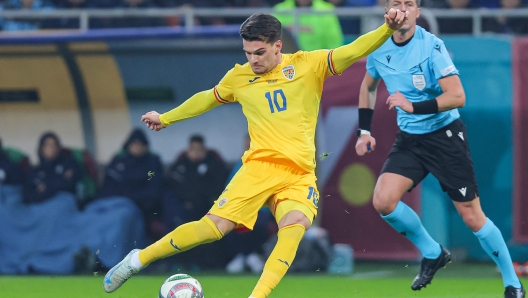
(181, 286)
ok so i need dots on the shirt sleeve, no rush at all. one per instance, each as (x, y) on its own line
(201, 102)
(344, 56)
(442, 64)
(371, 67)
(223, 92)
(320, 61)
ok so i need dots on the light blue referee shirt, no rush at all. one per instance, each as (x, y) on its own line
(414, 70)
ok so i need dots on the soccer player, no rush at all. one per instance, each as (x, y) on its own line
(280, 95)
(425, 90)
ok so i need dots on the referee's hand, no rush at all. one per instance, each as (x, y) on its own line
(395, 18)
(365, 144)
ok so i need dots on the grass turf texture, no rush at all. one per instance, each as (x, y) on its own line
(390, 281)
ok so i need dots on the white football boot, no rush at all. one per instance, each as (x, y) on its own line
(120, 273)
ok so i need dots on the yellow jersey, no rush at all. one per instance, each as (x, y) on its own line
(282, 105)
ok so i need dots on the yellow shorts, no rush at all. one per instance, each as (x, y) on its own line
(261, 183)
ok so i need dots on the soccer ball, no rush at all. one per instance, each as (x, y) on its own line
(181, 286)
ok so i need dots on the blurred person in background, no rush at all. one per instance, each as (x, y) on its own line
(193, 182)
(57, 174)
(201, 21)
(137, 174)
(316, 31)
(71, 23)
(19, 24)
(508, 25)
(12, 175)
(456, 25)
(426, 92)
(196, 178)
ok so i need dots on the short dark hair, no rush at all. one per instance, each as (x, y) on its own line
(197, 139)
(261, 27)
(418, 2)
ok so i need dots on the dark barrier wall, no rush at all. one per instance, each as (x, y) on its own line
(520, 82)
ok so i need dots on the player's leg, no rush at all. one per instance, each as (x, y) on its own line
(492, 242)
(238, 204)
(208, 229)
(294, 218)
(294, 208)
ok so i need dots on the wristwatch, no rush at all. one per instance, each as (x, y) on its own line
(360, 132)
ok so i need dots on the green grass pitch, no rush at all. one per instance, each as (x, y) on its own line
(466, 281)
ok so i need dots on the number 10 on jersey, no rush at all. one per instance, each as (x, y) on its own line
(277, 100)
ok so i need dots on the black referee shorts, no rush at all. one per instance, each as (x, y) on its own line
(443, 153)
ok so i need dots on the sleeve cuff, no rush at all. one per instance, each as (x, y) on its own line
(163, 120)
(388, 29)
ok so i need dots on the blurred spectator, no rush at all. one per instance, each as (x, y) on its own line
(194, 182)
(316, 31)
(456, 25)
(246, 248)
(71, 23)
(349, 25)
(486, 3)
(56, 175)
(197, 178)
(13, 167)
(135, 22)
(21, 23)
(11, 172)
(217, 21)
(78, 4)
(509, 25)
(136, 174)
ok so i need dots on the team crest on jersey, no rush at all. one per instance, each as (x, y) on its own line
(419, 81)
(222, 202)
(289, 72)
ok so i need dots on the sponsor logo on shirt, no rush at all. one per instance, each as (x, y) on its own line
(448, 70)
(222, 202)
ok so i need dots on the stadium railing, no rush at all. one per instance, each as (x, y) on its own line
(188, 14)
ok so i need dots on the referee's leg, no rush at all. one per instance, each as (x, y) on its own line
(492, 242)
(387, 195)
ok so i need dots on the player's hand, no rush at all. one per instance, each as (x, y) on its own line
(152, 120)
(394, 18)
(365, 144)
(398, 100)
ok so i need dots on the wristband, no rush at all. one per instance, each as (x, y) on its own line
(429, 106)
(365, 118)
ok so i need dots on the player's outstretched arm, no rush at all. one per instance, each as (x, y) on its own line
(197, 104)
(346, 55)
(367, 100)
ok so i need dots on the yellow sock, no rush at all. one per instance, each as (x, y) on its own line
(280, 259)
(181, 239)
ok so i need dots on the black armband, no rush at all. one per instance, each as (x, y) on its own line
(365, 118)
(429, 106)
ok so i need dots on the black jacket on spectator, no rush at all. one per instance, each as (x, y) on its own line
(10, 172)
(129, 176)
(197, 184)
(51, 176)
